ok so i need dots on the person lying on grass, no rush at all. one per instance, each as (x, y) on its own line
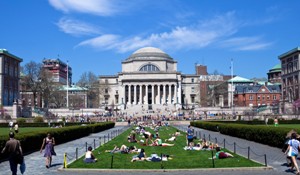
(172, 139)
(158, 142)
(123, 149)
(221, 154)
(192, 146)
(141, 156)
(89, 156)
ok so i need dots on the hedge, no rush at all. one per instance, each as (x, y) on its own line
(266, 135)
(32, 141)
(260, 122)
(46, 124)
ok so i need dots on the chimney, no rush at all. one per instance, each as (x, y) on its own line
(201, 69)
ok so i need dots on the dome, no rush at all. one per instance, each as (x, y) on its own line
(149, 53)
(149, 50)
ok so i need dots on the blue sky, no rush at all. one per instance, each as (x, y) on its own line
(96, 35)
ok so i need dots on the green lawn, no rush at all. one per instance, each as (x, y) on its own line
(181, 159)
(5, 131)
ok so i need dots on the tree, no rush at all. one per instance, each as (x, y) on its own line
(31, 81)
(90, 80)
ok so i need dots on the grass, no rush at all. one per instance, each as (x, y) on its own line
(181, 159)
(5, 131)
(292, 126)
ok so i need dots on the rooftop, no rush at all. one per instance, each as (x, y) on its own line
(239, 79)
(289, 52)
(5, 52)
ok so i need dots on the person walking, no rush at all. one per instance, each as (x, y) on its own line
(292, 151)
(49, 143)
(15, 154)
(16, 127)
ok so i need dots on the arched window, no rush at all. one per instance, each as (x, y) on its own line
(149, 68)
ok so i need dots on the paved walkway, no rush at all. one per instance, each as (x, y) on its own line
(35, 162)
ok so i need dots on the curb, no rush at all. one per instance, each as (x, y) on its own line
(166, 170)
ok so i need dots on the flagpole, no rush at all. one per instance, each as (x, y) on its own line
(67, 84)
(232, 90)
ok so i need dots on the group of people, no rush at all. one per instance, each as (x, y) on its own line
(14, 151)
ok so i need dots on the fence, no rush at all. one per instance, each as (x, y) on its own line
(126, 161)
(237, 149)
(95, 143)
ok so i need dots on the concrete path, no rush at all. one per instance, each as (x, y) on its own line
(35, 162)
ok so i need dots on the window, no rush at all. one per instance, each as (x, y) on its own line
(250, 97)
(149, 68)
(193, 99)
(193, 89)
(263, 97)
(258, 97)
(106, 90)
(192, 80)
(268, 97)
(274, 97)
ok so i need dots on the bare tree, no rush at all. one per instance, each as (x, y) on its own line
(90, 80)
(31, 81)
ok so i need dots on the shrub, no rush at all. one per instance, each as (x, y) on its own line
(38, 120)
(266, 135)
(61, 135)
(21, 120)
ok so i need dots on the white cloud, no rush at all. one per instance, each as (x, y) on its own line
(95, 7)
(76, 28)
(246, 43)
(180, 37)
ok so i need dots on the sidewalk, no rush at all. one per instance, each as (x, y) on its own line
(35, 162)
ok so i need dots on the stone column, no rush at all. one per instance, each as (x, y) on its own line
(124, 91)
(175, 94)
(134, 95)
(158, 93)
(164, 94)
(179, 93)
(152, 88)
(170, 94)
(146, 101)
(129, 94)
(141, 90)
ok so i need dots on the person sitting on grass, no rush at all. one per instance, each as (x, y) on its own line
(177, 133)
(158, 142)
(221, 154)
(89, 156)
(205, 144)
(131, 138)
(141, 157)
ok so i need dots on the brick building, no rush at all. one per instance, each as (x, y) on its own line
(257, 95)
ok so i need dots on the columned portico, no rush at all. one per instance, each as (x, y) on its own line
(149, 81)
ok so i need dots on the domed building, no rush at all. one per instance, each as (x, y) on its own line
(149, 82)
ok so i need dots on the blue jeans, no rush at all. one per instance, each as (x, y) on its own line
(13, 166)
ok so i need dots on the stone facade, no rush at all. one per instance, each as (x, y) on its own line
(149, 81)
(9, 79)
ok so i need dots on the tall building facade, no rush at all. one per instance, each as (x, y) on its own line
(290, 78)
(60, 71)
(149, 81)
(9, 77)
